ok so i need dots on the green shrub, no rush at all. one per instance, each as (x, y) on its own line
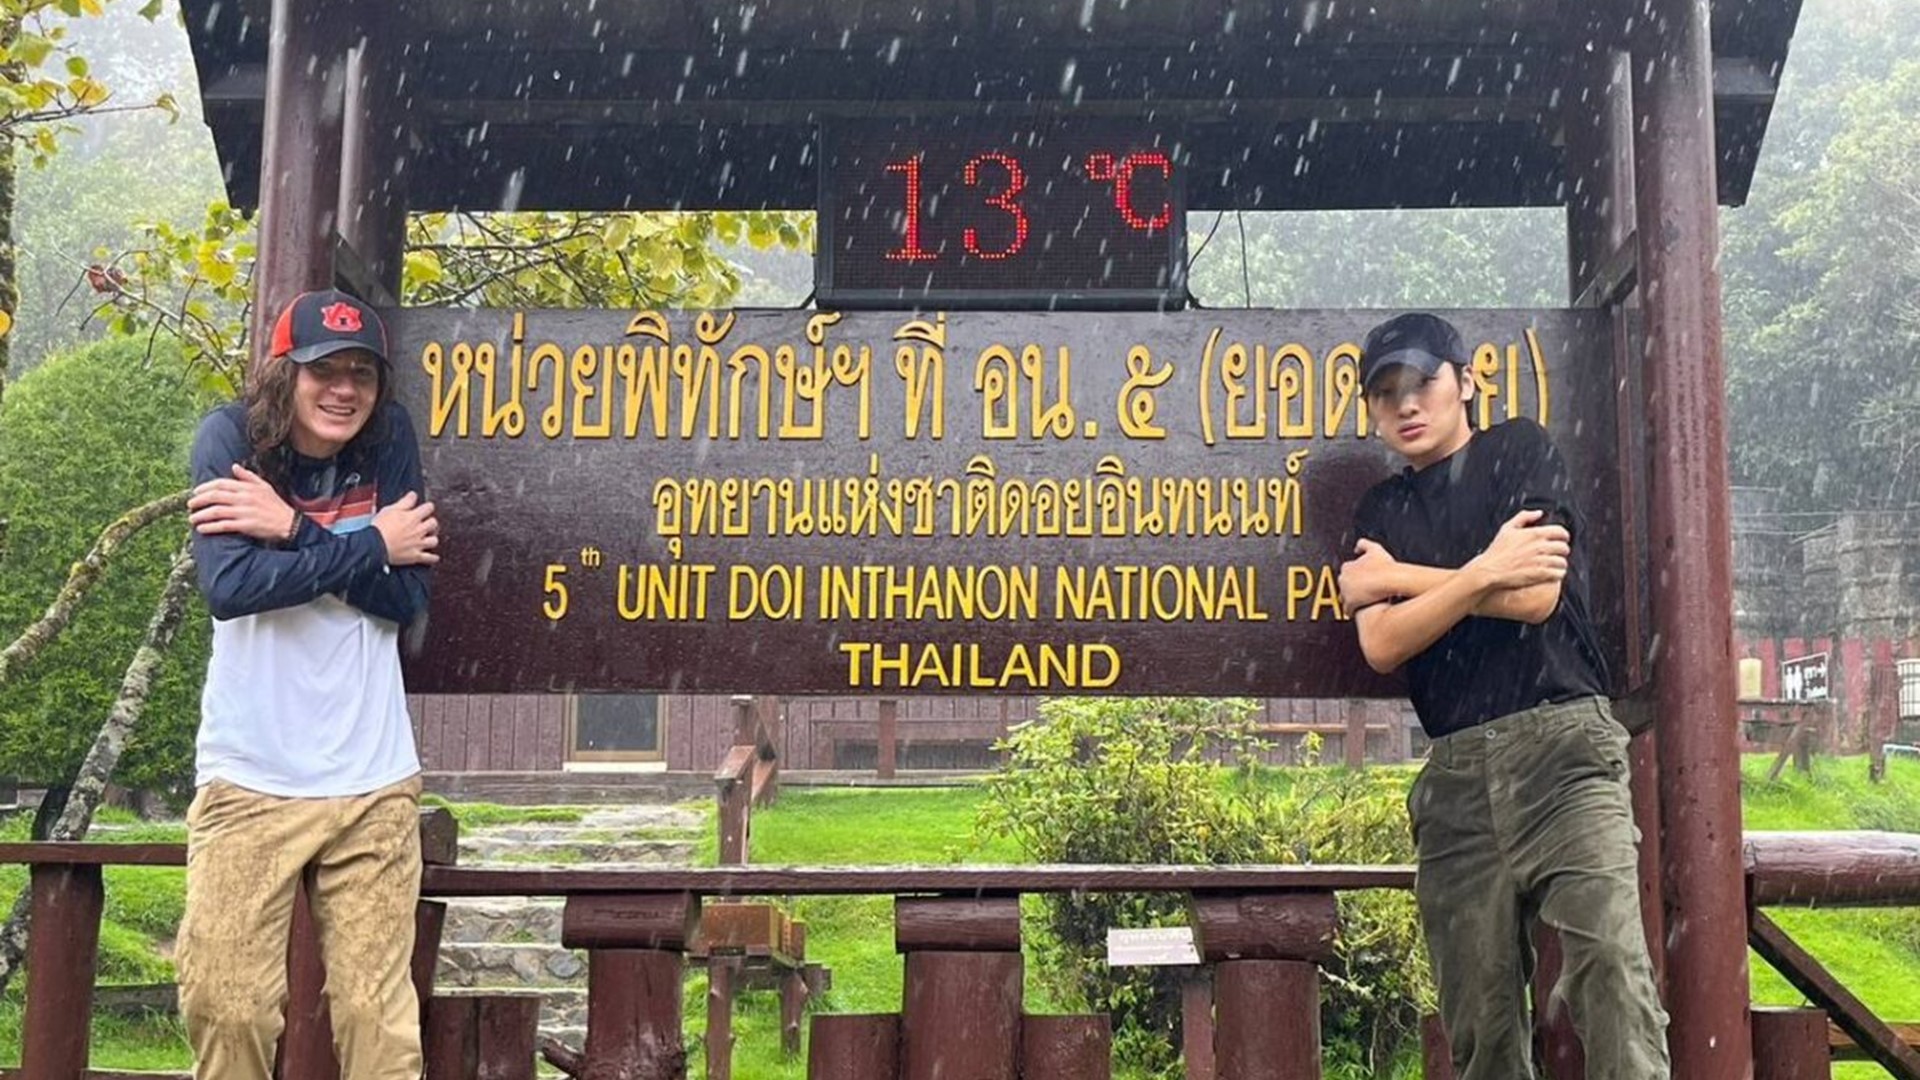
(1379, 983)
(1141, 780)
(83, 438)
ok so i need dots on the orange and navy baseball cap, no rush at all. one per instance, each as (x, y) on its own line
(325, 322)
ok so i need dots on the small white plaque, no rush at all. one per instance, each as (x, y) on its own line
(1165, 946)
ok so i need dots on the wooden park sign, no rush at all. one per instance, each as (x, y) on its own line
(805, 502)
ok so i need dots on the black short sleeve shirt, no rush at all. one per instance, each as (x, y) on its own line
(1446, 514)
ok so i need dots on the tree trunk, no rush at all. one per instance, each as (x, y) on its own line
(12, 74)
(90, 783)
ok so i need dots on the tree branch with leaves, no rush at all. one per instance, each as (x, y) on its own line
(81, 578)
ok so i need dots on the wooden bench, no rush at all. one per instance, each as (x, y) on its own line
(753, 946)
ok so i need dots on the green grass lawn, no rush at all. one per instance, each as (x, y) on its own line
(1876, 953)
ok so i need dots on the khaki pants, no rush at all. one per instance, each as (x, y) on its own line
(1528, 818)
(245, 853)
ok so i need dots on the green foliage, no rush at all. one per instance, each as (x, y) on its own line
(1140, 781)
(1380, 983)
(191, 286)
(91, 200)
(1380, 258)
(1822, 334)
(195, 284)
(616, 260)
(82, 438)
(44, 83)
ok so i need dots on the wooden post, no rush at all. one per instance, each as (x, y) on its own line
(889, 738)
(633, 1014)
(1790, 1044)
(1268, 1020)
(306, 1044)
(737, 779)
(508, 1024)
(1265, 926)
(722, 974)
(489, 1038)
(299, 160)
(1196, 1024)
(1556, 1045)
(1690, 539)
(963, 986)
(1644, 758)
(793, 1006)
(735, 818)
(429, 921)
(636, 957)
(769, 735)
(1354, 742)
(744, 730)
(1066, 1048)
(372, 210)
(1436, 1053)
(1266, 949)
(854, 1047)
(1602, 265)
(61, 955)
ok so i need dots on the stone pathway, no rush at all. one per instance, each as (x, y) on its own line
(500, 944)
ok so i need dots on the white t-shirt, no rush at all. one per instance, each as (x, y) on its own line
(305, 701)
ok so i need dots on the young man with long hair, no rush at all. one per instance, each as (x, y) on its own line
(1470, 571)
(313, 545)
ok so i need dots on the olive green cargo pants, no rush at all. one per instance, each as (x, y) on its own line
(1528, 817)
(245, 853)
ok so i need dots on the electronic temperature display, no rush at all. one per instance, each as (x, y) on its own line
(1052, 216)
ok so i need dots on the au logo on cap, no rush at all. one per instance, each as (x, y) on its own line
(341, 318)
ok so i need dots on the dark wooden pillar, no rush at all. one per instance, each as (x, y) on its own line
(851, 1046)
(888, 742)
(1602, 258)
(488, 1037)
(1266, 950)
(61, 955)
(306, 1044)
(372, 205)
(299, 159)
(1690, 542)
(962, 997)
(1196, 1024)
(1066, 1048)
(429, 922)
(1436, 1053)
(1556, 1044)
(723, 977)
(1791, 1044)
(1599, 181)
(1268, 1020)
(636, 957)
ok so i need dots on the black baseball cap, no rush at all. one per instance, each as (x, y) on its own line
(1421, 341)
(325, 322)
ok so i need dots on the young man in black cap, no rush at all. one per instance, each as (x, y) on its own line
(1469, 571)
(313, 547)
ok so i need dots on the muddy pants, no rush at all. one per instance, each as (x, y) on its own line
(1528, 817)
(245, 853)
